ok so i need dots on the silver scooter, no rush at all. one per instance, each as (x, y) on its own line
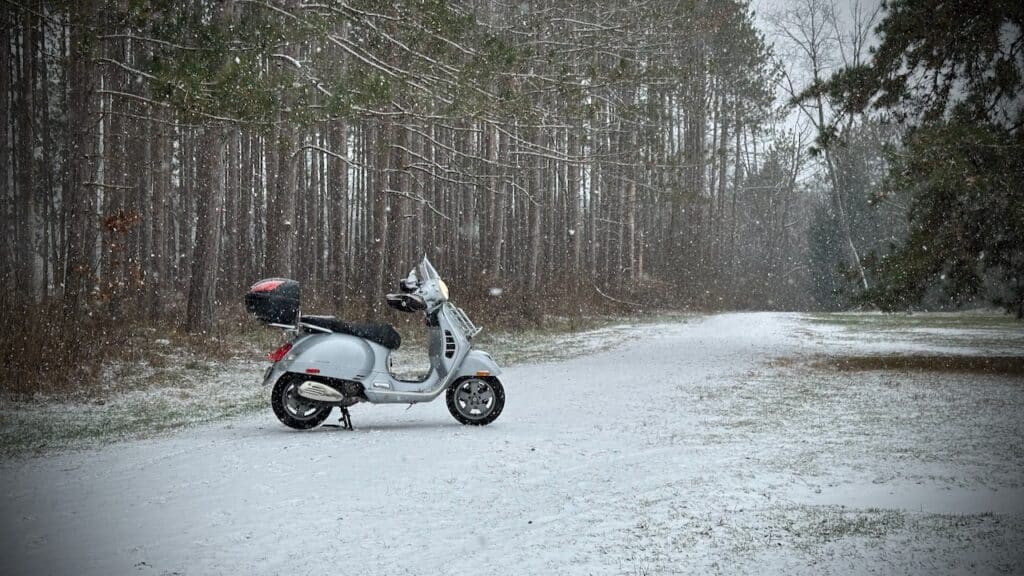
(330, 363)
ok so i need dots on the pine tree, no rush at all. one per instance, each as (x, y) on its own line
(951, 74)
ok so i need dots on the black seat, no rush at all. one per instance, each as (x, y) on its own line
(383, 334)
(327, 322)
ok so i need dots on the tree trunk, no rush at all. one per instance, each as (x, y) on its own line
(281, 212)
(51, 258)
(6, 210)
(339, 223)
(381, 210)
(248, 249)
(160, 165)
(81, 224)
(498, 224)
(202, 290)
(25, 244)
(534, 185)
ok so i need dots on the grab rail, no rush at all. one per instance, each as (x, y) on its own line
(460, 318)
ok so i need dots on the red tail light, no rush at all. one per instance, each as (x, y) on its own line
(266, 286)
(280, 353)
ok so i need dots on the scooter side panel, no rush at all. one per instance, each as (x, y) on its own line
(332, 355)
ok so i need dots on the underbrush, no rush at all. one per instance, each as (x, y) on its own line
(43, 356)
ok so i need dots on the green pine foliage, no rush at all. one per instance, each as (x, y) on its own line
(966, 187)
(938, 59)
(952, 74)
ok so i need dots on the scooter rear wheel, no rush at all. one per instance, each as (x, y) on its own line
(476, 401)
(293, 410)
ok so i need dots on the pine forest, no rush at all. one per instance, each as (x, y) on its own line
(550, 158)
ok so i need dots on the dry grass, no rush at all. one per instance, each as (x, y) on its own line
(994, 365)
(40, 358)
(967, 320)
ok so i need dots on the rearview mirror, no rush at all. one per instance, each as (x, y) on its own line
(406, 302)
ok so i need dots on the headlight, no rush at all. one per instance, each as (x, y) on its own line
(444, 289)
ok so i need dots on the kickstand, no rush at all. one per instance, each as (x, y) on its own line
(346, 419)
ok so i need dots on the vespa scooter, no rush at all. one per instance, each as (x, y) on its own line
(330, 363)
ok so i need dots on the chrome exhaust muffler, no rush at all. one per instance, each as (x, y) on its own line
(320, 392)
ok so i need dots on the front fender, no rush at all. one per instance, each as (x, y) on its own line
(477, 361)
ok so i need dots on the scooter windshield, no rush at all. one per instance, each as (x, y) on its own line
(425, 271)
(431, 287)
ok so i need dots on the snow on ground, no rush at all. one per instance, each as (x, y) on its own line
(689, 449)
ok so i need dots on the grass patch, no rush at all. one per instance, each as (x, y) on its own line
(28, 427)
(982, 333)
(811, 526)
(981, 320)
(995, 365)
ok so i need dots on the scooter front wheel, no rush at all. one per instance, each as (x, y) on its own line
(293, 410)
(476, 401)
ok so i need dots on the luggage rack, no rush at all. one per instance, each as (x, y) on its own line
(462, 320)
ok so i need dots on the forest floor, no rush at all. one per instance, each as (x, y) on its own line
(734, 443)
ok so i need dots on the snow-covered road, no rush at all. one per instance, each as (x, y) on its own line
(631, 461)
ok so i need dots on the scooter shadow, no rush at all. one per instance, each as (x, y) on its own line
(333, 428)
